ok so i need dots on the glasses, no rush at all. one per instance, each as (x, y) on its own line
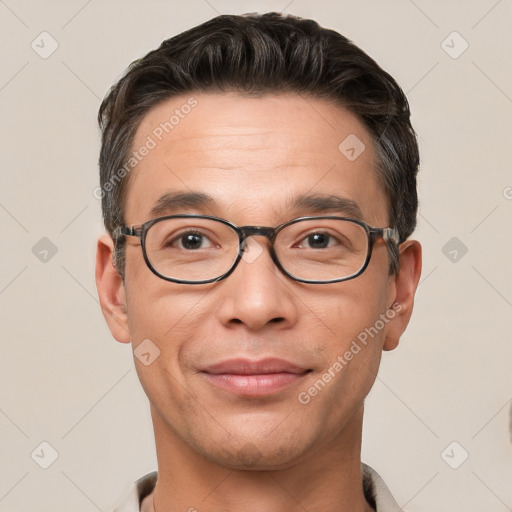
(200, 249)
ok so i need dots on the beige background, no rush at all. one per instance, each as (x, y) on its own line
(64, 380)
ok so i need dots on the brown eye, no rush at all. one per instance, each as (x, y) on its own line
(191, 241)
(318, 240)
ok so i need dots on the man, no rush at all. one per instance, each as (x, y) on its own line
(258, 176)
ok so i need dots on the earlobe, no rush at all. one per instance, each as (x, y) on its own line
(405, 285)
(111, 291)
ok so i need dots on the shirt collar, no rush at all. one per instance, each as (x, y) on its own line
(376, 492)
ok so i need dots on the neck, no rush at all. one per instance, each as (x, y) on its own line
(328, 479)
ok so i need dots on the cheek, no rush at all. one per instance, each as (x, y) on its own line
(341, 312)
(155, 306)
(351, 356)
(348, 330)
(173, 318)
(161, 323)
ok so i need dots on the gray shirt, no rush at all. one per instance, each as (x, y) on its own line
(375, 490)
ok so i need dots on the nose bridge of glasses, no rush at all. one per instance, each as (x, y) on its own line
(257, 230)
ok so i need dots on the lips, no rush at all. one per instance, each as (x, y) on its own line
(251, 367)
(248, 377)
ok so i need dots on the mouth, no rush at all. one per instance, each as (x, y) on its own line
(248, 377)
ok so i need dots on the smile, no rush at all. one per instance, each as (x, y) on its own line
(247, 377)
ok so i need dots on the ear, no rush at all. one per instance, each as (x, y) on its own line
(405, 284)
(111, 291)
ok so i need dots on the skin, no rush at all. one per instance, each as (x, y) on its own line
(218, 451)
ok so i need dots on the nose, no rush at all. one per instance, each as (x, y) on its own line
(257, 294)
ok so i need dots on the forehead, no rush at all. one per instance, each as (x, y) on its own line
(253, 156)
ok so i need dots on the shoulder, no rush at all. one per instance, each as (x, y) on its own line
(377, 492)
(138, 491)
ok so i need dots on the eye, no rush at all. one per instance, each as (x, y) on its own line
(191, 240)
(318, 240)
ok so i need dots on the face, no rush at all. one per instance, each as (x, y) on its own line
(253, 157)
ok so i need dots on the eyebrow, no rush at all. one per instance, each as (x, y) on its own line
(326, 203)
(172, 202)
(175, 201)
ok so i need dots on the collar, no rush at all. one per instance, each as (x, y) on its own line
(375, 490)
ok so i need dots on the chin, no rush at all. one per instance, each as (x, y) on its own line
(256, 453)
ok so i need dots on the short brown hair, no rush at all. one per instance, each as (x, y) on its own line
(259, 54)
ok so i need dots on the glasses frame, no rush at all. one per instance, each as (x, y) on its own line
(244, 232)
